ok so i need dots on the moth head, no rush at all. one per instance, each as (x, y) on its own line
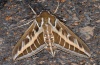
(46, 17)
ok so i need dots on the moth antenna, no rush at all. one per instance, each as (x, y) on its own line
(23, 25)
(56, 8)
(32, 9)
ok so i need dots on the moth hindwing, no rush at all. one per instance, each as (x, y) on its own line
(48, 32)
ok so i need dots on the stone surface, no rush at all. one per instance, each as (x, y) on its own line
(85, 12)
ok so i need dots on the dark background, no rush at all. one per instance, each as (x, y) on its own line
(81, 16)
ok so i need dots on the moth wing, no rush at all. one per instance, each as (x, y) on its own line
(68, 41)
(31, 43)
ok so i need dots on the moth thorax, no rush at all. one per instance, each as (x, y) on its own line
(48, 35)
(48, 38)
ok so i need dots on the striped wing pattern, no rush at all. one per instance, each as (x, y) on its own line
(48, 32)
(66, 40)
(31, 43)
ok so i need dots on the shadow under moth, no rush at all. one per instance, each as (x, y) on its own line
(48, 32)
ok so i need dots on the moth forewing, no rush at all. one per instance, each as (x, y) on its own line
(69, 40)
(18, 45)
(29, 42)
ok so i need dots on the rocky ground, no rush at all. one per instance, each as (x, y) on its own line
(81, 16)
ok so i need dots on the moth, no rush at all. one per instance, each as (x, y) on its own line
(48, 32)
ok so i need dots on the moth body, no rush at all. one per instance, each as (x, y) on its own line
(48, 32)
